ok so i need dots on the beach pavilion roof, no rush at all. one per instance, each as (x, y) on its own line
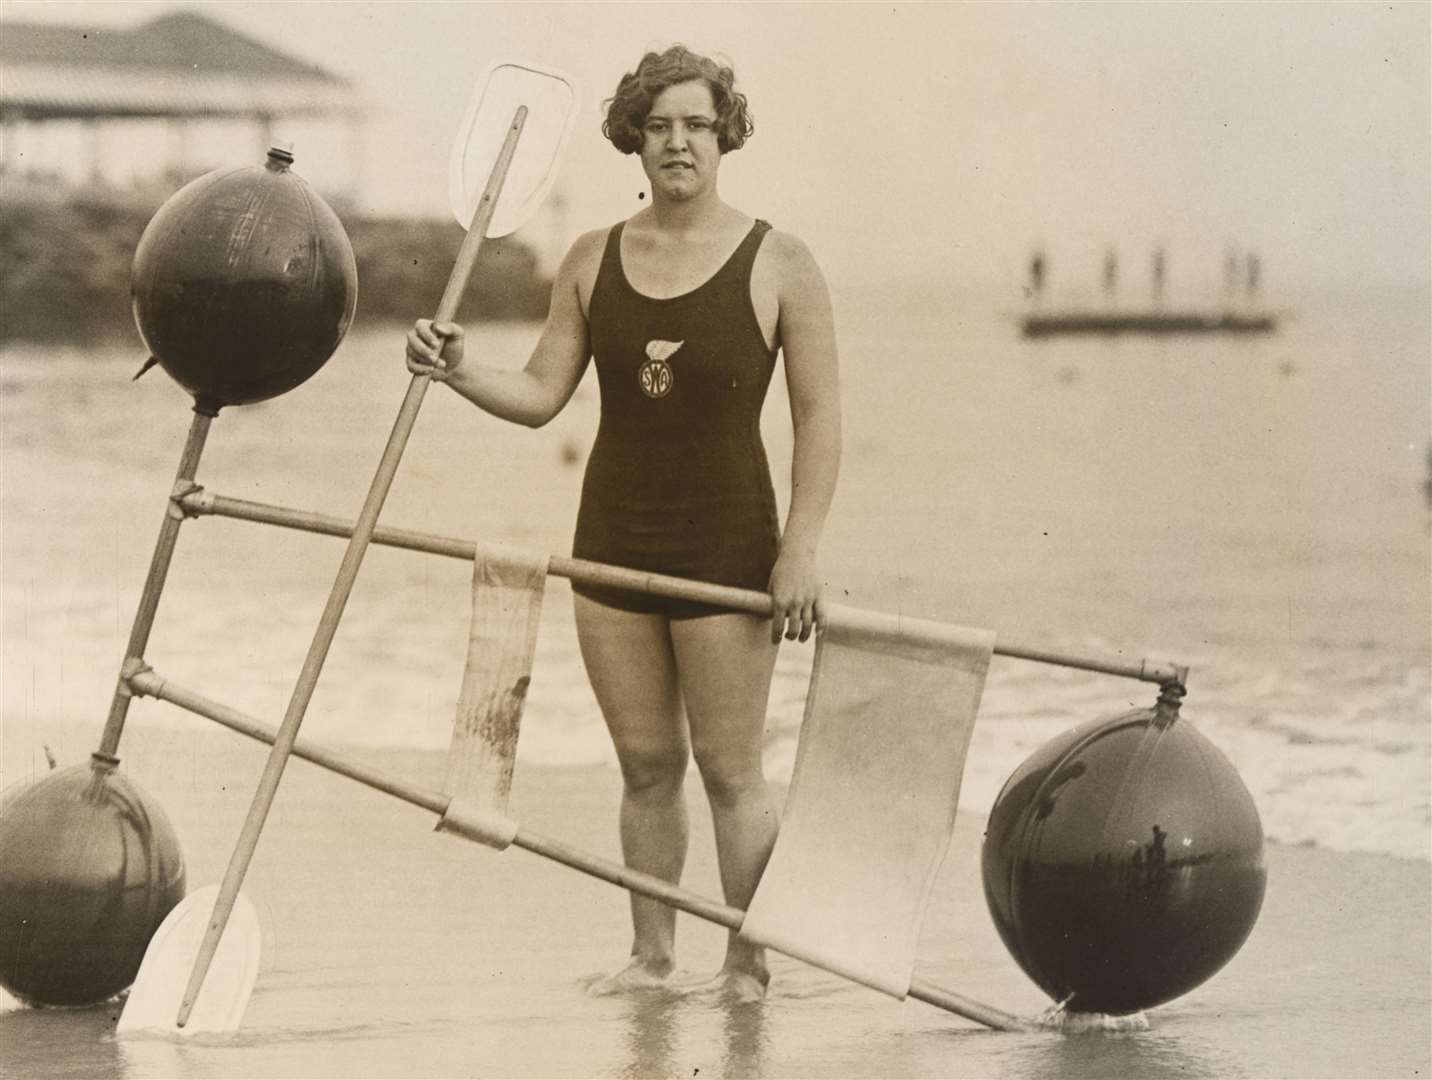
(176, 65)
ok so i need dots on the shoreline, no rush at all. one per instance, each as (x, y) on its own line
(477, 956)
(1310, 673)
(149, 740)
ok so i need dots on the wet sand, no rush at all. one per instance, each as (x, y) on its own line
(393, 951)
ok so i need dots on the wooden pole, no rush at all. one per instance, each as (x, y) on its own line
(343, 585)
(149, 683)
(592, 573)
(106, 755)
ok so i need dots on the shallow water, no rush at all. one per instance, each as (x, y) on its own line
(393, 952)
(1252, 507)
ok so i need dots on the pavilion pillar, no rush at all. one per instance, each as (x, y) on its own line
(355, 158)
(95, 151)
(10, 143)
(177, 153)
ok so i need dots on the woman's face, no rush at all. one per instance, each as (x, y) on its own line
(679, 150)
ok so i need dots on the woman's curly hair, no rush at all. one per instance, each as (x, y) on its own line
(628, 108)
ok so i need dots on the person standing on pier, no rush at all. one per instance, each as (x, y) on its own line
(1036, 277)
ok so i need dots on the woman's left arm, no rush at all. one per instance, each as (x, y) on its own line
(807, 335)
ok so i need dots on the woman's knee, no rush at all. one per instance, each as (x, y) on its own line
(730, 775)
(650, 768)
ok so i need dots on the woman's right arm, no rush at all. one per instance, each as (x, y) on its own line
(538, 392)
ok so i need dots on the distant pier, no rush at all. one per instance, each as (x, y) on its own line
(1046, 324)
(1240, 311)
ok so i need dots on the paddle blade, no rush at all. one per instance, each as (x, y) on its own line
(154, 999)
(551, 102)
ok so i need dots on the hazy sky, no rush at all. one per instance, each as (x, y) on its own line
(946, 140)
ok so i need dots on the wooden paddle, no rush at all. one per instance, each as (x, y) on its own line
(503, 82)
(220, 1005)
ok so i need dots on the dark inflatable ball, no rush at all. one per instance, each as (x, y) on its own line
(244, 283)
(89, 867)
(1123, 862)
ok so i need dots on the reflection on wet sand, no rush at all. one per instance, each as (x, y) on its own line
(1150, 1055)
(82, 1038)
(657, 1022)
(746, 1039)
(651, 1035)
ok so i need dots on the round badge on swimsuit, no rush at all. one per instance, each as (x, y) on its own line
(655, 376)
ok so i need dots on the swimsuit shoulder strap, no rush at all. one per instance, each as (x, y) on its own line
(609, 271)
(744, 257)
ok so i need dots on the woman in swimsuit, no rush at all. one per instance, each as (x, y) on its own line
(684, 308)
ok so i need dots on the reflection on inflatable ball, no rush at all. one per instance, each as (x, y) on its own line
(1123, 862)
(244, 283)
(89, 867)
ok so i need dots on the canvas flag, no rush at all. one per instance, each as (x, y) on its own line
(507, 587)
(872, 799)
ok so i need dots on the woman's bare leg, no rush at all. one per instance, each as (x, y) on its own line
(632, 669)
(725, 663)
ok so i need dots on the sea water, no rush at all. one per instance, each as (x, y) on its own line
(1254, 507)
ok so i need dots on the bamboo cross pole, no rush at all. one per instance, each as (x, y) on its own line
(361, 533)
(147, 682)
(105, 756)
(591, 573)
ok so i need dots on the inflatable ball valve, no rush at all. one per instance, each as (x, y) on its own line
(89, 867)
(244, 283)
(1123, 862)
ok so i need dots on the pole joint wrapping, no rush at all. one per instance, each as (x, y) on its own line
(196, 502)
(1171, 695)
(179, 509)
(472, 822)
(132, 679)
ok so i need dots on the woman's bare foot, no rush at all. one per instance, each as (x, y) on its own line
(729, 985)
(638, 975)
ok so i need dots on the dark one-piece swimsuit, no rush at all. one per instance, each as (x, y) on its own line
(677, 482)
